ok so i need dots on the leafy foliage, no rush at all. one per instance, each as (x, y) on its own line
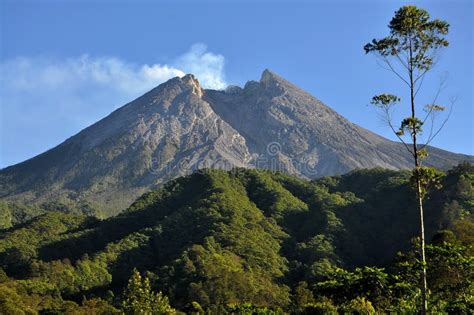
(139, 299)
(411, 28)
(248, 242)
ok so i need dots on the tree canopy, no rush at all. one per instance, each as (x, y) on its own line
(248, 242)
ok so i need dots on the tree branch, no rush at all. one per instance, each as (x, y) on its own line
(394, 71)
(421, 82)
(438, 92)
(431, 138)
(402, 62)
(388, 120)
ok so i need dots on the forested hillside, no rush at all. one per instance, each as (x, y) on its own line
(179, 127)
(249, 242)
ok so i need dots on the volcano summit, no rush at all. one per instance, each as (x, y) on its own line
(179, 127)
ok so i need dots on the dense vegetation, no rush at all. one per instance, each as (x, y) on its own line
(249, 242)
(13, 213)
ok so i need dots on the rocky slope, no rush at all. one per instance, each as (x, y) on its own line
(179, 127)
(310, 138)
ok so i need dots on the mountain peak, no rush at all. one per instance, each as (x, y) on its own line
(178, 127)
(190, 79)
(268, 76)
(273, 83)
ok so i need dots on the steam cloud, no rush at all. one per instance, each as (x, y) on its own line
(58, 97)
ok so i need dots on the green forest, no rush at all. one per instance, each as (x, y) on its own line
(246, 242)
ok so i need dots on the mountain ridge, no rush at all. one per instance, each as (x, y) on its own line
(179, 127)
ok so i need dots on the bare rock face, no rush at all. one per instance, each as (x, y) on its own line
(168, 132)
(311, 139)
(179, 127)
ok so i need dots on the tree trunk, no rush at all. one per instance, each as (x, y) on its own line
(419, 193)
(424, 285)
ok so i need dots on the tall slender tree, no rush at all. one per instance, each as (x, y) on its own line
(409, 51)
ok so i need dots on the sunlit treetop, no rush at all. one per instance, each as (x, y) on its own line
(412, 34)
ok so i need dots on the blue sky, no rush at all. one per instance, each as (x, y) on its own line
(66, 64)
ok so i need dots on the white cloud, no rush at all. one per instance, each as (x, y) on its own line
(45, 100)
(208, 67)
(30, 74)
